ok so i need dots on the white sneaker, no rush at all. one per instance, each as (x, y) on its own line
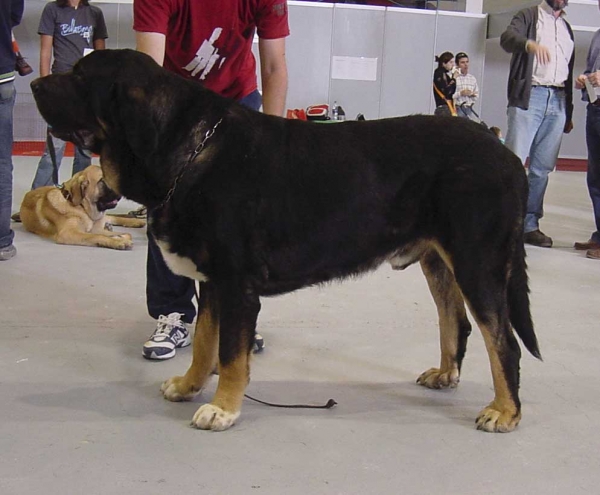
(170, 334)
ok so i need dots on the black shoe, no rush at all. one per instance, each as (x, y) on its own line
(537, 238)
(21, 66)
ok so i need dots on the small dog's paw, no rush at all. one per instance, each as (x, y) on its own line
(211, 417)
(178, 389)
(123, 242)
(436, 378)
(493, 420)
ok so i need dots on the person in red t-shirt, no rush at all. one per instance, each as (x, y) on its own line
(210, 42)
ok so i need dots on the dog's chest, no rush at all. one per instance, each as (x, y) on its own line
(180, 265)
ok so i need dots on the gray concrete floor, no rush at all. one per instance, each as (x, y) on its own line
(81, 409)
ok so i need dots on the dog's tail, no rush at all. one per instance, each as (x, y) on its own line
(518, 301)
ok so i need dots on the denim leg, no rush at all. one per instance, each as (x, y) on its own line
(43, 174)
(466, 111)
(537, 133)
(7, 103)
(592, 136)
(522, 126)
(544, 151)
(81, 160)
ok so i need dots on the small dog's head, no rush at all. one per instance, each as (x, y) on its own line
(88, 190)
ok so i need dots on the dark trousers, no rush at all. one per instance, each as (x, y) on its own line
(167, 292)
(592, 136)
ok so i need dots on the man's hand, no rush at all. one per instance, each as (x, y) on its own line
(594, 78)
(568, 127)
(540, 51)
(466, 92)
(580, 81)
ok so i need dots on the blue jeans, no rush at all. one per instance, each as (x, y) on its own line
(466, 111)
(167, 292)
(7, 102)
(537, 133)
(43, 174)
(592, 136)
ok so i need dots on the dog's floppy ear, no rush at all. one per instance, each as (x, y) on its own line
(132, 108)
(75, 189)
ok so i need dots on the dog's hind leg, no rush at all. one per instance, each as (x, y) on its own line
(454, 325)
(484, 285)
(205, 349)
(237, 327)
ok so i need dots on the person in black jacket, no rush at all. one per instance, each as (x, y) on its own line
(540, 98)
(444, 85)
(11, 13)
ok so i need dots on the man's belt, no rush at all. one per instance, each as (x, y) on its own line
(549, 86)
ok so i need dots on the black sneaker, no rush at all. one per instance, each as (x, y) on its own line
(259, 343)
(537, 238)
(21, 66)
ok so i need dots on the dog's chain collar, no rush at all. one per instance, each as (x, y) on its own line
(65, 193)
(192, 157)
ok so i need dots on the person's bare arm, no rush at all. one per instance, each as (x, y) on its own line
(45, 54)
(273, 70)
(152, 44)
(100, 44)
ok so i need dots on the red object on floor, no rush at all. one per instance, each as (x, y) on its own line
(36, 148)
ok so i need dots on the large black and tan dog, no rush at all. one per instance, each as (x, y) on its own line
(254, 205)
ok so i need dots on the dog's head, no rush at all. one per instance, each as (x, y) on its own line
(103, 90)
(143, 120)
(111, 99)
(88, 190)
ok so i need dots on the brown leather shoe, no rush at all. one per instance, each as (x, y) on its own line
(593, 254)
(537, 238)
(584, 246)
(21, 65)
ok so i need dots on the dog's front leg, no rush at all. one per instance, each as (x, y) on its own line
(238, 313)
(206, 344)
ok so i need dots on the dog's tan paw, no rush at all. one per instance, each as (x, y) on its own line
(493, 420)
(436, 378)
(211, 417)
(178, 389)
(123, 242)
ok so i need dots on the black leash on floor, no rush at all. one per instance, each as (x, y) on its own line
(330, 403)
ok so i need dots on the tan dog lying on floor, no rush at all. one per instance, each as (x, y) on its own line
(75, 213)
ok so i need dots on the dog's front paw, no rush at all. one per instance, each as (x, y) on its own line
(178, 389)
(137, 223)
(211, 417)
(436, 378)
(123, 242)
(494, 420)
